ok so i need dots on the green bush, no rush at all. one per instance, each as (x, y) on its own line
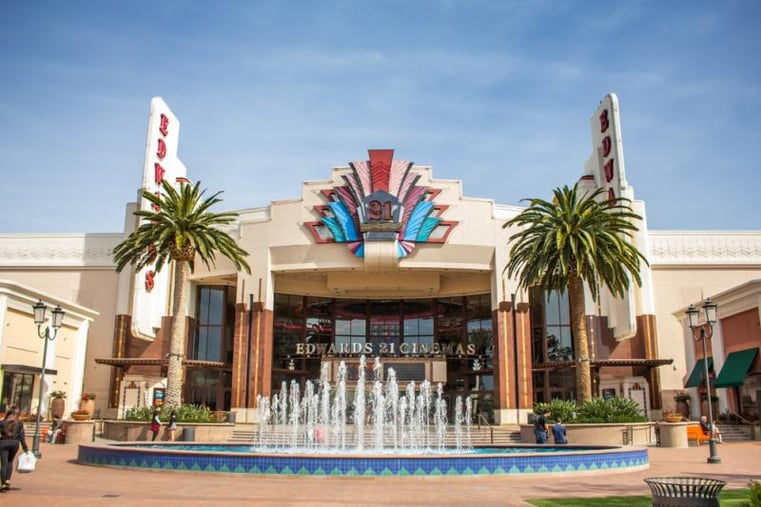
(596, 410)
(185, 413)
(613, 410)
(563, 409)
(754, 493)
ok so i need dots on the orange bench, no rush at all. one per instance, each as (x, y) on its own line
(695, 432)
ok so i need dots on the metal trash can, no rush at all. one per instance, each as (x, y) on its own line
(188, 434)
(685, 491)
(231, 417)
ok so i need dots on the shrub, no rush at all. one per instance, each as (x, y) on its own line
(596, 410)
(563, 409)
(754, 493)
(185, 413)
(613, 410)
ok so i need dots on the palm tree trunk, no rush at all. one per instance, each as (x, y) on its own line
(175, 372)
(578, 312)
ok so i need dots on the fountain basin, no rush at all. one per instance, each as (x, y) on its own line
(233, 458)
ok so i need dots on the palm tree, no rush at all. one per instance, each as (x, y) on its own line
(177, 228)
(577, 238)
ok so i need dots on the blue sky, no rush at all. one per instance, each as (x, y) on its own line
(498, 94)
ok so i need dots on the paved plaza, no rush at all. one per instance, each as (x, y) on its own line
(60, 481)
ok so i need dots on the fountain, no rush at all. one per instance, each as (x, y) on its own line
(413, 423)
(381, 433)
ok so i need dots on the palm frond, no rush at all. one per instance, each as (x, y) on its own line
(179, 226)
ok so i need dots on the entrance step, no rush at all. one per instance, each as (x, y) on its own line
(479, 436)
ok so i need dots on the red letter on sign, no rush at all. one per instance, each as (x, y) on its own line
(149, 281)
(604, 121)
(164, 127)
(156, 207)
(161, 151)
(606, 145)
(158, 173)
(608, 168)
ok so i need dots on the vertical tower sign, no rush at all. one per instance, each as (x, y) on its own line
(608, 148)
(151, 289)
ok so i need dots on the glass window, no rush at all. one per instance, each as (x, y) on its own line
(418, 325)
(351, 326)
(212, 340)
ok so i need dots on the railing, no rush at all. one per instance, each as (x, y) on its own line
(738, 418)
(486, 423)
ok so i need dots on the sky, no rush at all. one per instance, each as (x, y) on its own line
(497, 94)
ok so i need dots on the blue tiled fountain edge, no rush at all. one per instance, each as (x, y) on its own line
(368, 466)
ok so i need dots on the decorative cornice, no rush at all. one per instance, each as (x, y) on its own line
(717, 248)
(59, 250)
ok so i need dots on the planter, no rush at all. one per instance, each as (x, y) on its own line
(673, 418)
(80, 417)
(57, 408)
(87, 406)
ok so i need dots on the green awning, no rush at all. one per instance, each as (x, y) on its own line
(736, 368)
(696, 376)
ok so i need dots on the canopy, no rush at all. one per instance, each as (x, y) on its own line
(736, 368)
(696, 376)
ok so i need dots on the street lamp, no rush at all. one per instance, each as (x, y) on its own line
(692, 320)
(39, 319)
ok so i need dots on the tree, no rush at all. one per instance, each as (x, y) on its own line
(576, 239)
(178, 228)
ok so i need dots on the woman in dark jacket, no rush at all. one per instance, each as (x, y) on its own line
(11, 435)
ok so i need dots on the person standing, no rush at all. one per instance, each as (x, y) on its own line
(558, 432)
(155, 425)
(172, 424)
(11, 435)
(541, 428)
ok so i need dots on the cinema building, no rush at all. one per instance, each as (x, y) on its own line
(384, 260)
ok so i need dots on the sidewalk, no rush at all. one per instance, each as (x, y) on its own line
(60, 481)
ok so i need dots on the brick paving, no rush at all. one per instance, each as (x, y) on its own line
(60, 481)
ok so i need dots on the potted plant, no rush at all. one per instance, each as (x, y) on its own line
(672, 417)
(57, 404)
(682, 403)
(80, 415)
(87, 403)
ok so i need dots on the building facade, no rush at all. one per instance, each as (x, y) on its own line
(381, 259)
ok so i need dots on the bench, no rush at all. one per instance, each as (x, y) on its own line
(695, 432)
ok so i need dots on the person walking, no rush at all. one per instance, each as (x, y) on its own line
(558, 432)
(11, 435)
(155, 425)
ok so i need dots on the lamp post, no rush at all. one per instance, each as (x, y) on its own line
(709, 307)
(46, 335)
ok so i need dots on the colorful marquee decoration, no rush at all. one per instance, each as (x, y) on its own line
(381, 201)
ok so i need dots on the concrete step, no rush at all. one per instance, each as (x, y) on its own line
(483, 436)
(734, 432)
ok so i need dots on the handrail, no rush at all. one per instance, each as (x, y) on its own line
(739, 418)
(482, 418)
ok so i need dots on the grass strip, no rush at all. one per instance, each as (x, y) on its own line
(727, 498)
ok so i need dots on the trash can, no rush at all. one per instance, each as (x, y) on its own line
(188, 434)
(231, 417)
(685, 491)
